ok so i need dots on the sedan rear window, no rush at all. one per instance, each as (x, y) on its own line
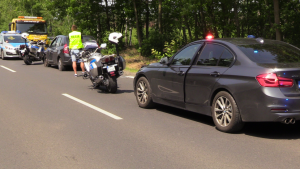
(271, 53)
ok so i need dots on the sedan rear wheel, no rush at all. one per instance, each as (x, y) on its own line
(46, 64)
(143, 93)
(61, 67)
(226, 114)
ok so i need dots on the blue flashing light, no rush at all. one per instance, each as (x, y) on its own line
(250, 36)
(4, 32)
(18, 31)
(286, 99)
(255, 51)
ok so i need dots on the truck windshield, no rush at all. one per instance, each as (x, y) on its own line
(39, 28)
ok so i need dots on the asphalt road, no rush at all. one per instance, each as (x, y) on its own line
(50, 119)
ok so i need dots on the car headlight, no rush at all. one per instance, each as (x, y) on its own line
(9, 48)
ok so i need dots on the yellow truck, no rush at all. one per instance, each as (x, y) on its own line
(36, 27)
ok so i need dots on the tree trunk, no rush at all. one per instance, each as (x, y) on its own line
(203, 22)
(277, 19)
(107, 16)
(137, 24)
(196, 26)
(160, 16)
(126, 27)
(188, 27)
(237, 23)
(147, 19)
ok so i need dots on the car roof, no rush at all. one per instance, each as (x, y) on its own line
(243, 41)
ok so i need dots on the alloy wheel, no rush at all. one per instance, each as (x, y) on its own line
(223, 111)
(142, 92)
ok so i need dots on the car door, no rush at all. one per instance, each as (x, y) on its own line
(169, 82)
(51, 49)
(213, 61)
(60, 48)
(1, 43)
(56, 49)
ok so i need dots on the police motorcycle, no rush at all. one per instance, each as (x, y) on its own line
(34, 51)
(103, 70)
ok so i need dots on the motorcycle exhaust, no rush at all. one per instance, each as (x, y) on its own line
(101, 77)
(121, 73)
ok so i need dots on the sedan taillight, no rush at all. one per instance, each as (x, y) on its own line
(271, 80)
(66, 50)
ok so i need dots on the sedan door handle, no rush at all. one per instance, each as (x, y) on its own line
(215, 74)
(180, 73)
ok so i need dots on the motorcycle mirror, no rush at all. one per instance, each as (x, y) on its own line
(103, 46)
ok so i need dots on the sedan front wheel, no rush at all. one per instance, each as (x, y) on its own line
(143, 93)
(226, 114)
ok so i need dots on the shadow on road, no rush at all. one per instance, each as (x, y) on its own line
(185, 114)
(270, 130)
(273, 130)
(102, 90)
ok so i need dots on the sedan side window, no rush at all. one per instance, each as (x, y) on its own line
(226, 58)
(210, 55)
(185, 56)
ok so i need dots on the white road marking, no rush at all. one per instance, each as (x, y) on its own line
(93, 107)
(8, 68)
(130, 77)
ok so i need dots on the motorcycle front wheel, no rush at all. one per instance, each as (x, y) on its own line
(27, 60)
(112, 86)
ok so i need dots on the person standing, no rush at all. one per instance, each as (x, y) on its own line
(75, 46)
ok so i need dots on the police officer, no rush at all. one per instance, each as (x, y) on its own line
(76, 47)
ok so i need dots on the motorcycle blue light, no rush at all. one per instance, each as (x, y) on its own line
(255, 51)
(286, 99)
(250, 36)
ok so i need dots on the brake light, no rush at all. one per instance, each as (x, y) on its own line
(66, 50)
(111, 58)
(271, 80)
(22, 46)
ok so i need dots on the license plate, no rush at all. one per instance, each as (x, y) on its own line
(111, 68)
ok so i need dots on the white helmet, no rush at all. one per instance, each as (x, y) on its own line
(24, 35)
(114, 37)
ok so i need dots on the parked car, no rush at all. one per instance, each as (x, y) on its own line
(233, 80)
(10, 42)
(58, 54)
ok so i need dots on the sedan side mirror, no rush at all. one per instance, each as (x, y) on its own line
(164, 60)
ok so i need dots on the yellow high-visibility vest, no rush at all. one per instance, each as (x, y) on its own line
(75, 40)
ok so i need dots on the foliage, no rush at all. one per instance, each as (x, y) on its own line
(183, 21)
(169, 50)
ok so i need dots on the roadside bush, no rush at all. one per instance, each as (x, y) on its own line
(155, 41)
(168, 51)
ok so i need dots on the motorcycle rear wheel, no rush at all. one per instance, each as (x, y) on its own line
(27, 60)
(112, 86)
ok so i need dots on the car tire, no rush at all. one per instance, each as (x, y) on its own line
(45, 61)
(2, 55)
(143, 93)
(61, 67)
(225, 113)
